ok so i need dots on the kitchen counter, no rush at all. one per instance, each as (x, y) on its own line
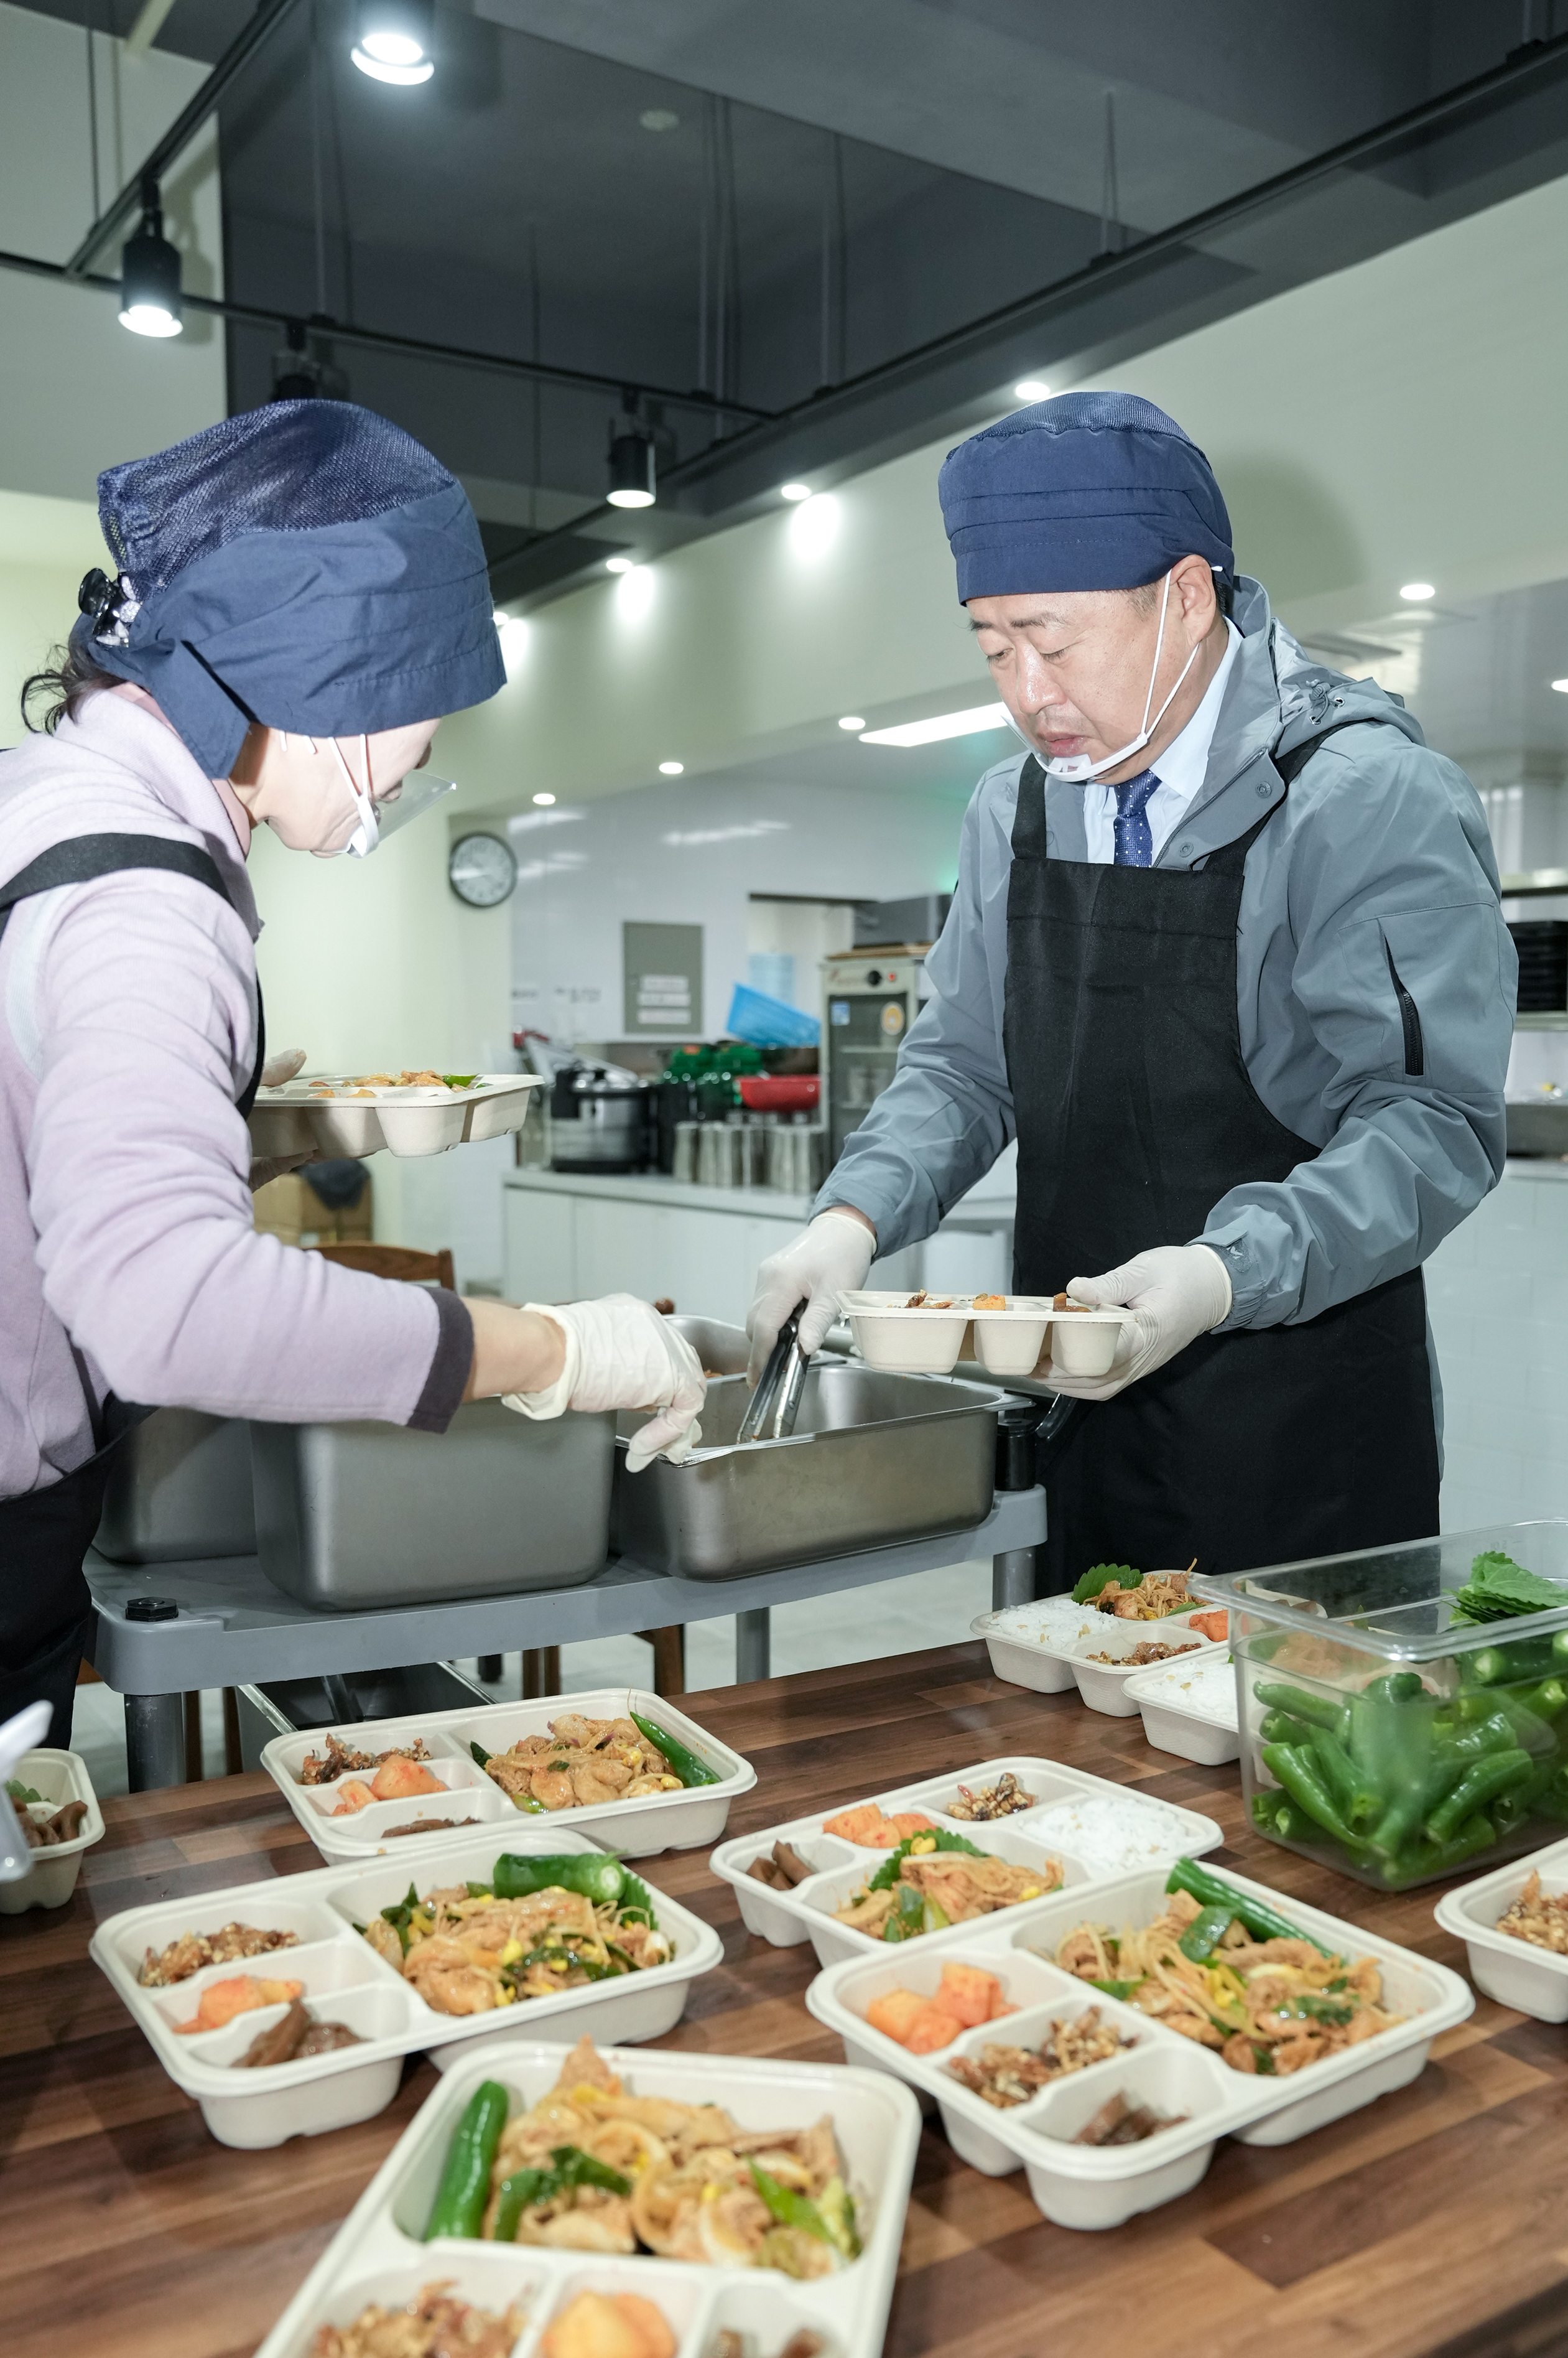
(1428, 2223)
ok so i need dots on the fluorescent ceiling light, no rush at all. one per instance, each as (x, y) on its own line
(1032, 388)
(544, 801)
(945, 724)
(620, 565)
(853, 720)
(794, 490)
(1417, 592)
(671, 769)
(695, 835)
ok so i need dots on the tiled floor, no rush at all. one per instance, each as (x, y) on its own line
(896, 1617)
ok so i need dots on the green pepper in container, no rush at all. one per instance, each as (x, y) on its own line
(464, 2188)
(1481, 1783)
(1297, 1773)
(683, 1762)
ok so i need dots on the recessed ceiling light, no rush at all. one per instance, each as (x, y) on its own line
(852, 720)
(658, 118)
(1417, 592)
(671, 769)
(620, 565)
(1032, 388)
(794, 490)
(945, 724)
(1561, 686)
(544, 801)
(394, 42)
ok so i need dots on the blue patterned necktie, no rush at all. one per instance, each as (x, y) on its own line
(1134, 843)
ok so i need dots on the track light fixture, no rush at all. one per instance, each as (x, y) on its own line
(394, 39)
(149, 275)
(633, 482)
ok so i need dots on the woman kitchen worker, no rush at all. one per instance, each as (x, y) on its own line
(301, 597)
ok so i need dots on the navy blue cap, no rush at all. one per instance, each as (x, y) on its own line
(309, 566)
(1091, 491)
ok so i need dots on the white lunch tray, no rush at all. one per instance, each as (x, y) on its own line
(654, 1822)
(377, 2253)
(1516, 1973)
(786, 1918)
(346, 1981)
(1084, 2186)
(927, 1342)
(51, 1878)
(293, 1121)
(1189, 1706)
(1038, 1646)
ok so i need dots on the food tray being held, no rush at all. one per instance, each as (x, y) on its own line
(684, 1818)
(1189, 1706)
(923, 1333)
(379, 2253)
(324, 1115)
(59, 1781)
(1518, 1972)
(1095, 1829)
(345, 1980)
(1185, 2084)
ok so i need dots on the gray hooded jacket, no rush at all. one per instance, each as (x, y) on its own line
(1382, 850)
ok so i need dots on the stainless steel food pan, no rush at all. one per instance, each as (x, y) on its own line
(352, 1515)
(723, 1349)
(874, 1458)
(180, 1487)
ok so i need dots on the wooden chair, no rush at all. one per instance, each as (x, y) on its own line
(393, 1261)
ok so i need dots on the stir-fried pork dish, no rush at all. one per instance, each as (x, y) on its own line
(582, 1762)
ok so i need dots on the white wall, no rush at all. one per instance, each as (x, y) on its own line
(683, 853)
(78, 393)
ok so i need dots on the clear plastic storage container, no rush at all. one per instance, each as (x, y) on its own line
(1384, 1736)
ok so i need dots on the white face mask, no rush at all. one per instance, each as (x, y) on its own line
(1077, 767)
(377, 815)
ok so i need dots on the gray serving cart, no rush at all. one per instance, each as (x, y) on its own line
(234, 1629)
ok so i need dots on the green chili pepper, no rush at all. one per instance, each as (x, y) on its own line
(1298, 1775)
(683, 1762)
(1395, 1686)
(1478, 1736)
(1284, 1727)
(1122, 1990)
(516, 2194)
(1354, 1794)
(480, 1755)
(592, 1875)
(465, 2181)
(1481, 1783)
(1321, 1711)
(526, 2189)
(1207, 1929)
(1263, 1921)
(1529, 1727)
(1400, 1820)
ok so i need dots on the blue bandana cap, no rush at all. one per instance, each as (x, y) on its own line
(309, 566)
(1092, 490)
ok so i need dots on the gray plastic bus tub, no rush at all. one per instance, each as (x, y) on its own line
(179, 1489)
(873, 1459)
(356, 1515)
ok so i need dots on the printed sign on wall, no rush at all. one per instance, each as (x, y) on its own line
(662, 970)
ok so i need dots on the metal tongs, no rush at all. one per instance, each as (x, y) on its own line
(775, 1405)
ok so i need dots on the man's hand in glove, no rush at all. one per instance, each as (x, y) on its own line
(621, 1354)
(1174, 1292)
(829, 1258)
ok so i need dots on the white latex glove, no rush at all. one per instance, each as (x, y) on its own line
(829, 1258)
(1176, 1293)
(273, 1073)
(281, 1068)
(622, 1354)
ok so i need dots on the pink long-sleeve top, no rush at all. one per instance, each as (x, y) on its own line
(128, 1260)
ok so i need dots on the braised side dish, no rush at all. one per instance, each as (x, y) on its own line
(192, 1950)
(336, 1758)
(61, 1825)
(294, 2037)
(1147, 1650)
(936, 1879)
(923, 1301)
(581, 1762)
(1538, 1918)
(1005, 2076)
(998, 1800)
(1227, 1972)
(1120, 2123)
(539, 1926)
(592, 2168)
(432, 2325)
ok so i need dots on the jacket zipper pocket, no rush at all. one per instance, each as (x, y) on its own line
(1410, 1020)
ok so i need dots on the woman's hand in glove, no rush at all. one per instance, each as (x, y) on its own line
(829, 1258)
(273, 1073)
(619, 1353)
(1174, 1292)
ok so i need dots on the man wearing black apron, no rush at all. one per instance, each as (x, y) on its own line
(1227, 958)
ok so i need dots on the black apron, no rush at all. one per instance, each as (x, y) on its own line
(45, 1610)
(1135, 1115)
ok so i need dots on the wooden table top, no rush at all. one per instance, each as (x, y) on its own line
(1418, 2224)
